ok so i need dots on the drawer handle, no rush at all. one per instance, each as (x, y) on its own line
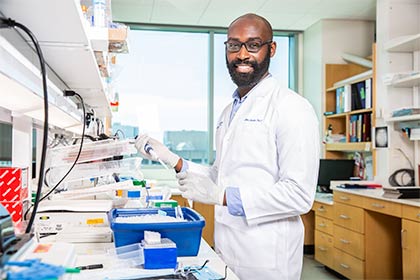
(418, 215)
(322, 249)
(344, 266)
(321, 209)
(344, 241)
(377, 205)
(344, 198)
(344, 217)
(403, 236)
(322, 225)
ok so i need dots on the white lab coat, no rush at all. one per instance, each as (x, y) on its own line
(270, 151)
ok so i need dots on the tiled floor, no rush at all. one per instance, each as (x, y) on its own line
(313, 270)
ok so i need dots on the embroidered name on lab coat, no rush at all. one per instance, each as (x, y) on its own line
(253, 120)
(219, 125)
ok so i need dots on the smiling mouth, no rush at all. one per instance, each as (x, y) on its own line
(244, 68)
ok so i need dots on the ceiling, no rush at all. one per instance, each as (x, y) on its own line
(282, 14)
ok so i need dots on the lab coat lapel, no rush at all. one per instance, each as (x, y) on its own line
(259, 91)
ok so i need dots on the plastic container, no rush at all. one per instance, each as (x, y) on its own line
(131, 255)
(95, 169)
(186, 235)
(162, 255)
(134, 199)
(90, 151)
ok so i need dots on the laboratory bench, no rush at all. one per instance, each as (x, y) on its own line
(96, 253)
(362, 235)
(100, 254)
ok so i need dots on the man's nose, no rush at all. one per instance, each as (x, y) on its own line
(243, 52)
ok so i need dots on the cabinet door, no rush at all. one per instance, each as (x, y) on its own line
(324, 248)
(410, 249)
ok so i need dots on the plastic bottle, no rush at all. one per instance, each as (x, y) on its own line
(134, 199)
(99, 13)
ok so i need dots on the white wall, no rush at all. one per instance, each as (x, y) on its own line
(22, 142)
(312, 66)
(394, 19)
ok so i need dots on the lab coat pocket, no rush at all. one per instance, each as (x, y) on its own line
(257, 247)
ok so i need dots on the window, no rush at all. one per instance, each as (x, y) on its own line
(5, 144)
(165, 87)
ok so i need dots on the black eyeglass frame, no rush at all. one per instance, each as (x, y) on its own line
(246, 46)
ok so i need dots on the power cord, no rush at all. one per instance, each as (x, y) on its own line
(66, 93)
(71, 93)
(9, 23)
(392, 180)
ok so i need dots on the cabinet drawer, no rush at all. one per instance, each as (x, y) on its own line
(323, 224)
(351, 199)
(349, 266)
(382, 206)
(349, 241)
(324, 248)
(324, 210)
(411, 212)
(349, 217)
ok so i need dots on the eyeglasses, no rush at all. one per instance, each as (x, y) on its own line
(251, 46)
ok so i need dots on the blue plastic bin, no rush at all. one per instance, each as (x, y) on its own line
(186, 235)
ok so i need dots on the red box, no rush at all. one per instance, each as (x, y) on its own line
(15, 209)
(13, 190)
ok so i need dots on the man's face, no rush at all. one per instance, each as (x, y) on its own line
(247, 73)
(247, 67)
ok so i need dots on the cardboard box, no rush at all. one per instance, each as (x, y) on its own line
(117, 34)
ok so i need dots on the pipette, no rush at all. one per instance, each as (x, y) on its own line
(148, 149)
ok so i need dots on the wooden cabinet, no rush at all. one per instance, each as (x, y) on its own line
(324, 233)
(350, 123)
(349, 228)
(410, 242)
(349, 110)
(364, 236)
(207, 211)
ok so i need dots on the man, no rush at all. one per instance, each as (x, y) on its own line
(265, 172)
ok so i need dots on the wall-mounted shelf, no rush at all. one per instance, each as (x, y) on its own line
(354, 79)
(410, 43)
(404, 118)
(63, 35)
(21, 92)
(349, 147)
(407, 82)
(354, 124)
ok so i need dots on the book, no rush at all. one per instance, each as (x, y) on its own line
(362, 95)
(347, 98)
(401, 192)
(405, 112)
(368, 90)
(339, 98)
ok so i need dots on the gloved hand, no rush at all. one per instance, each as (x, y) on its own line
(159, 150)
(200, 188)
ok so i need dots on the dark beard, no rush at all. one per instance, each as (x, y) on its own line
(248, 79)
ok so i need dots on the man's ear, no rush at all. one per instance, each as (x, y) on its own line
(273, 47)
